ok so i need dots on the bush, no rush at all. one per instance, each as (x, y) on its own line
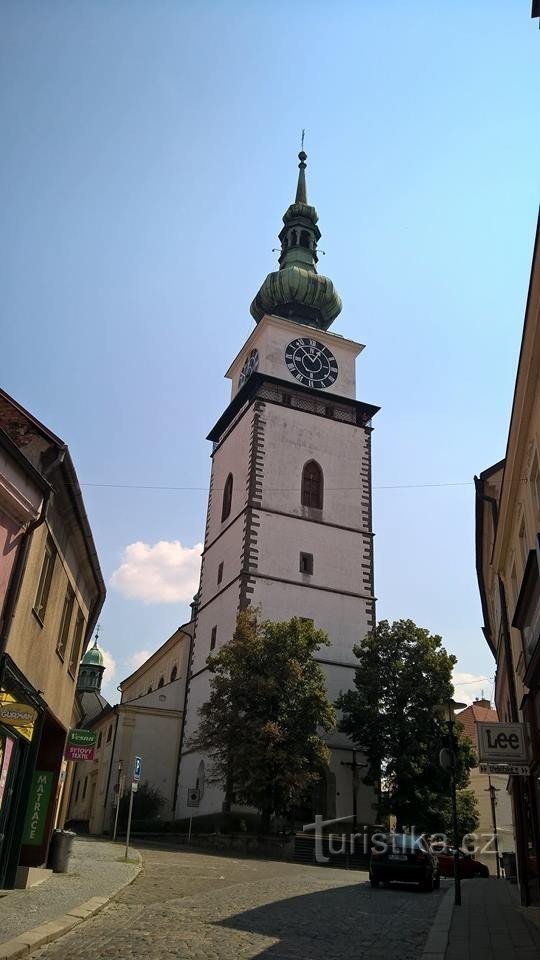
(147, 802)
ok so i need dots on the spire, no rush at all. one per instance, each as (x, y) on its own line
(301, 192)
(296, 292)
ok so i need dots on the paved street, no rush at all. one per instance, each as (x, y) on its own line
(203, 907)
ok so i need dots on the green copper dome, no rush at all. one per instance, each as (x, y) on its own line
(296, 291)
(93, 657)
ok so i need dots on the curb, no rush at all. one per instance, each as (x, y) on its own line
(26, 943)
(437, 941)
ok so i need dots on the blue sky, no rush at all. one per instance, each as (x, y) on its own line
(148, 154)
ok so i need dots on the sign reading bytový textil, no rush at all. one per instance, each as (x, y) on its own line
(80, 745)
(501, 743)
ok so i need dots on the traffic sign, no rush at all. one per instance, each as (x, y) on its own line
(193, 797)
(137, 770)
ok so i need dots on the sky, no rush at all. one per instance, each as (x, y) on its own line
(148, 155)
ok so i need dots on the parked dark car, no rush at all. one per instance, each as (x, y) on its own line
(403, 858)
(468, 866)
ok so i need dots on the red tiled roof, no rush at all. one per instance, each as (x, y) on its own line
(472, 715)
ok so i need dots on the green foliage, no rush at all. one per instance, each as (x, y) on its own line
(147, 802)
(268, 705)
(403, 673)
(468, 819)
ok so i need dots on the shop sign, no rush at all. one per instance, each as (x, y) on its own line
(502, 743)
(21, 716)
(80, 745)
(38, 807)
(506, 769)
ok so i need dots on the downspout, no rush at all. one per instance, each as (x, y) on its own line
(517, 786)
(182, 729)
(115, 708)
(15, 581)
(509, 661)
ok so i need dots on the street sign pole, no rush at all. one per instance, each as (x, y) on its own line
(189, 832)
(118, 797)
(132, 791)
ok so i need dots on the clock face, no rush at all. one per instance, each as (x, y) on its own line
(251, 364)
(313, 364)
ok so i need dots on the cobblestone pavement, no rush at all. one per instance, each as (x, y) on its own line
(95, 868)
(188, 904)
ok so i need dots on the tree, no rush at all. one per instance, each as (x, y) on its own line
(267, 706)
(403, 673)
(147, 802)
(468, 818)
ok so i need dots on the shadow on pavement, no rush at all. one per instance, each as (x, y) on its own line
(341, 923)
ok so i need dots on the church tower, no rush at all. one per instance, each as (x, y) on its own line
(91, 670)
(289, 511)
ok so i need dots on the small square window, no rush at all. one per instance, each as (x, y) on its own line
(220, 573)
(306, 563)
(213, 637)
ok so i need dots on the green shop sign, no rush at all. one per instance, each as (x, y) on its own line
(80, 745)
(38, 807)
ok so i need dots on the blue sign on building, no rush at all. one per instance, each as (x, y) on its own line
(137, 769)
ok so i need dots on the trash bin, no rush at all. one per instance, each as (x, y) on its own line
(60, 850)
(509, 866)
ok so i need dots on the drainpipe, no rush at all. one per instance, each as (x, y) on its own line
(12, 594)
(111, 759)
(182, 729)
(517, 786)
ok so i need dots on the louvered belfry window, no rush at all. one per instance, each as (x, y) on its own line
(312, 485)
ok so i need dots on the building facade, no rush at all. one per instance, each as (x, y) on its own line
(480, 783)
(289, 513)
(147, 723)
(508, 567)
(52, 594)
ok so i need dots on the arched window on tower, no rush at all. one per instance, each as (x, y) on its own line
(227, 498)
(304, 239)
(174, 673)
(201, 779)
(312, 485)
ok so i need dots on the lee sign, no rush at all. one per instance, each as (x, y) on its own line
(501, 743)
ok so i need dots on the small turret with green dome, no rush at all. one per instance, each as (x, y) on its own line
(296, 291)
(91, 669)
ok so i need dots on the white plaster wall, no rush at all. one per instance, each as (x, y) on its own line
(337, 554)
(220, 612)
(291, 438)
(271, 337)
(227, 550)
(231, 457)
(343, 618)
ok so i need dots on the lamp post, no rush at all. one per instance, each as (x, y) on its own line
(492, 790)
(448, 760)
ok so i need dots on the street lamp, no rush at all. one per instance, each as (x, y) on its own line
(448, 760)
(493, 791)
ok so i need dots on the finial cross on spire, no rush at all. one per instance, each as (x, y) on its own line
(98, 628)
(302, 143)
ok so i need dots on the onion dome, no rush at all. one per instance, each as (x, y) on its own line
(296, 291)
(93, 657)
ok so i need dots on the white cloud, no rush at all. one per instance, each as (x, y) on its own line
(470, 686)
(108, 688)
(110, 664)
(166, 572)
(137, 659)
